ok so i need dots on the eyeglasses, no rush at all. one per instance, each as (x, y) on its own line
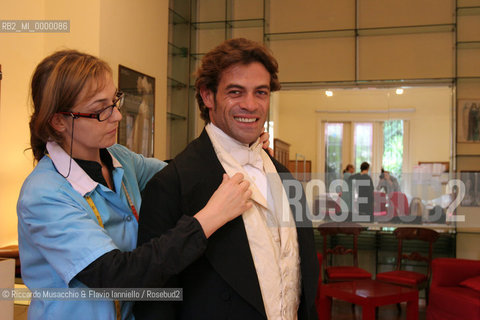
(101, 115)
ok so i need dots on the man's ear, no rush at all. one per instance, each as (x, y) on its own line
(58, 122)
(208, 97)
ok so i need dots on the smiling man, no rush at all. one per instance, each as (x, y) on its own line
(260, 265)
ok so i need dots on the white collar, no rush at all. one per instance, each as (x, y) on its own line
(241, 152)
(78, 178)
(229, 143)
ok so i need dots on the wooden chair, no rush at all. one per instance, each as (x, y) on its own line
(413, 279)
(324, 205)
(341, 273)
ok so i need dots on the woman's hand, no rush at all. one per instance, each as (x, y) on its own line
(265, 142)
(230, 200)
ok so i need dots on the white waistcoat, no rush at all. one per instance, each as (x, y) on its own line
(272, 237)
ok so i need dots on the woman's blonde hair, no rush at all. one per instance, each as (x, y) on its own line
(56, 86)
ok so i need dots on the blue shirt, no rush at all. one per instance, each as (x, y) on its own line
(59, 234)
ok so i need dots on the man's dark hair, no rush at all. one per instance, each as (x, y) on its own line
(364, 166)
(227, 54)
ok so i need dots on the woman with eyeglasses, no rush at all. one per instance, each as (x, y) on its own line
(78, 209)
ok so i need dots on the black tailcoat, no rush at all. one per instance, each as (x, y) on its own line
(222, 283)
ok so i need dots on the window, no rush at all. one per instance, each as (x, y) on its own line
(363, 141)
(393, 147)
(380, 143)
(333, 149)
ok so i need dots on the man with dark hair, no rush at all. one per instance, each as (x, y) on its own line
(361, 188)
(261, 265)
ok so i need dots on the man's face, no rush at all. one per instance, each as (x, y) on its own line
(241, 104)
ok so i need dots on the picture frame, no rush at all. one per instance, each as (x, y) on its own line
(468, 120)
(471, 179)
(136, 129)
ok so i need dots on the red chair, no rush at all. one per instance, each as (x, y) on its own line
(379, 203)
(341, 273)
(407, 278)
(451, 296)
(325, 206)
(398, 203)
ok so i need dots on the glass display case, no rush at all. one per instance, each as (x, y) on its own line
(195, 27)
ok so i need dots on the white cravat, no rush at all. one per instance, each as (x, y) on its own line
(249, 157)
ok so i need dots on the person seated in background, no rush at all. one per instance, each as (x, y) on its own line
(361, 188)
(388, 183)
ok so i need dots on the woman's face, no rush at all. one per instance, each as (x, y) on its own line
(90, 135)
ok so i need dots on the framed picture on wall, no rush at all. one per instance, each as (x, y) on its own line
(471, 179)
(468, 120)
(138, 111)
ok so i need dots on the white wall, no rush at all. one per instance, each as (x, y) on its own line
(19, 54)
(131, 33)
(297, 119)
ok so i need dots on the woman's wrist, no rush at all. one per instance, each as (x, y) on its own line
(209, 222)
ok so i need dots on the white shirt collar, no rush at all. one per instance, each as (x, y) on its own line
(229, 143)
(78, 178)
(241, 152)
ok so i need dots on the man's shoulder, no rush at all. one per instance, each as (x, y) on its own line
(193, 158)
(198, 148)
(353, 176)
(360, 176)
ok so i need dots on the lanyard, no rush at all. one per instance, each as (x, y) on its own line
(118, 310)
(132, 207)
(97, 214)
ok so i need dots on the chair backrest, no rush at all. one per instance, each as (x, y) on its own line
(422, 234)
(399, 202)
(324, 205)
(379, 203)
(416, 207)
(335, 228)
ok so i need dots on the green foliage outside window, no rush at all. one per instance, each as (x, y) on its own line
(393, 147)
(333, 146)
